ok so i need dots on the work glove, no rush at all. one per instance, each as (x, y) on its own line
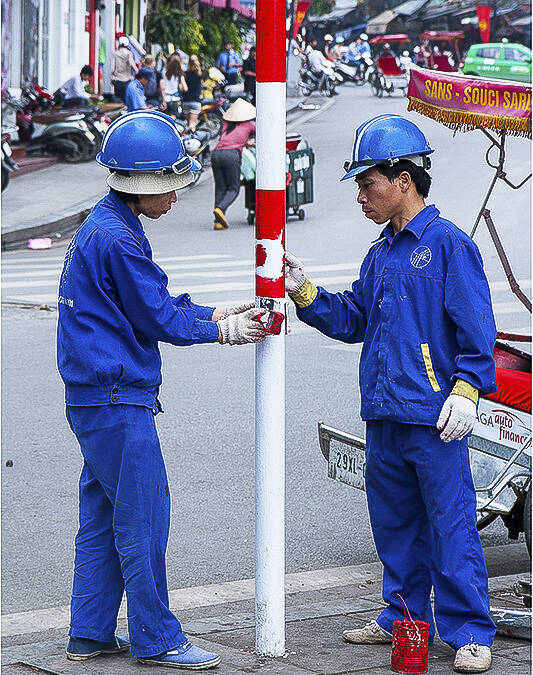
(224, 312)
(301, 290)
(294, 273)
(456, 418)
(240, 329)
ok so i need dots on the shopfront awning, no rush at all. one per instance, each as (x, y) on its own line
(410, 7)
(379, 24)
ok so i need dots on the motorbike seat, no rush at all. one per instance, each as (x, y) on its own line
(52, 117)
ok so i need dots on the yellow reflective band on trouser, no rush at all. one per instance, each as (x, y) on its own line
(429, 366)
(305, 296)
(463, 388)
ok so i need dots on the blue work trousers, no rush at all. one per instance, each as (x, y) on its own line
(422, 507)
(124, 525)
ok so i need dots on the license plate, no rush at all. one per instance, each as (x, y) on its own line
(6, 149)
(347, 464)
(89, 135)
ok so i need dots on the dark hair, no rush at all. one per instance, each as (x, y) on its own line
(125, 196)
(87, 70)
(174, 68)
(419, 176)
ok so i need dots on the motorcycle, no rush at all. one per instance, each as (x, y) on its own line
(310, 82)
(8, 163)
(63, 134)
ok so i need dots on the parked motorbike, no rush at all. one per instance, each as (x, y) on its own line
(8, 164)
(63, 134)
(310, 82)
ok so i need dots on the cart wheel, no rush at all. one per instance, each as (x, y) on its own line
(527, 521)
(301, 214)
(251, 218)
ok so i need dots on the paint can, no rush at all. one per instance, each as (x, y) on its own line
(410, 644)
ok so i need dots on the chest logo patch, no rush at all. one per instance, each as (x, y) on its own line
(420, 257)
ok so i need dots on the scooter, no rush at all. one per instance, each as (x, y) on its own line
(310, 82)
(8, 163)
(62, 134)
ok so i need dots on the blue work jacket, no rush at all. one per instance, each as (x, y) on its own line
(135, 97)
(114, 308)
(422, 309)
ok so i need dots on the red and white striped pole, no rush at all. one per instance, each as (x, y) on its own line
(270, 355)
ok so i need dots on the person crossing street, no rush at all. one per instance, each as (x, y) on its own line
(422, 309)
(114, 309)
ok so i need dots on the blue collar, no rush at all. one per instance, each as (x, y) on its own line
(416, 226)
(114, 202)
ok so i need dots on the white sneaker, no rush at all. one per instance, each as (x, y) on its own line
(472, 658)
(371, 634)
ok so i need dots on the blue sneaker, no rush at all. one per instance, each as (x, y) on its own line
(81, 649)
(187, 657)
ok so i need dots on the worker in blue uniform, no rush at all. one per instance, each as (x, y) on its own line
(422, 309)
(114, 309)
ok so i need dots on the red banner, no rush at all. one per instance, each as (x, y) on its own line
(299, 16)
(483, 18)
(463, 103)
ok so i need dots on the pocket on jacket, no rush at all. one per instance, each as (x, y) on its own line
(429, 366)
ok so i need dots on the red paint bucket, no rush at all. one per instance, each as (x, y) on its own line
(410, 644)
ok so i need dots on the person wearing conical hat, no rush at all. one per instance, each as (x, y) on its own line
(238, 131)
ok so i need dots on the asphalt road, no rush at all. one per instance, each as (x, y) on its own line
(207, 430)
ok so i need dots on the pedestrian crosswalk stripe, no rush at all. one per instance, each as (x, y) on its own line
(10, 262)
(174, 271)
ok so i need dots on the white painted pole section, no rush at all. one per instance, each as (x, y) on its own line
(270, 135)
(270, 497)
(270, 375)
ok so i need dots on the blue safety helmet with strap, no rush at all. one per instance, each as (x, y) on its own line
(145, 140)
(385, 140)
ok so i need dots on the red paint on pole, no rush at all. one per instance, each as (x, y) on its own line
(270, 224)
(271, 16)
(269, 213)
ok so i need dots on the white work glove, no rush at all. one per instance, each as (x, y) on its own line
(224, 312)
(240, 329)
(456, 418)
(294, 273)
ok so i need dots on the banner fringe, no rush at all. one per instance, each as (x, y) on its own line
(460, 120)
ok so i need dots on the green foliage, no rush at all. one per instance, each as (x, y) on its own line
(218, 28)
(321, 7)
(166, 24)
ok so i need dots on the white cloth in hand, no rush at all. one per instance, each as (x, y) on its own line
(240, 329)
(224, 312)
(456, 418)
(294, 273)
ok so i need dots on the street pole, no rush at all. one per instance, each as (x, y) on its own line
(270, 355)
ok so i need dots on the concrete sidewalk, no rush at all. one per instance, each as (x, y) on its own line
(55, 200)
(220, 618)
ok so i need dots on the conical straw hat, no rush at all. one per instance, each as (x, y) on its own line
(239, 111)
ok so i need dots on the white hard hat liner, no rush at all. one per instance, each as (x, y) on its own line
(148, 183)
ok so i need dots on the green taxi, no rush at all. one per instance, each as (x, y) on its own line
(500, 60)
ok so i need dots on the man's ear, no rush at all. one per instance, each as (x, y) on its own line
(404, 181)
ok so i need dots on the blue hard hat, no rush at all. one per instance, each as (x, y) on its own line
(386, 139)
(145, 140)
